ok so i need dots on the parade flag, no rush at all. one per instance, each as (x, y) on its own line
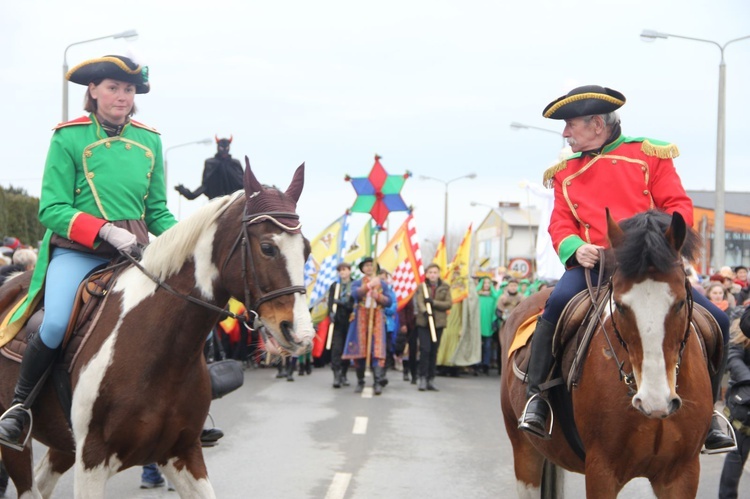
(360, 248)
(458, 271)
(441, 259)
(320, 268)
(403, 259)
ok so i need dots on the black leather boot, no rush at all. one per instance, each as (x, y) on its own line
(534, 418)
(290, 369)
(377, 384)
(422, 384)
(431, 385)
(337, 378)
(360, 380)
(717, 440)
(37, 358)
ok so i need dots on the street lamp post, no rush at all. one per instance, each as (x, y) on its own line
(649, 35)
(520, 126)
(446, 183)
(166, 163)
(131, 33)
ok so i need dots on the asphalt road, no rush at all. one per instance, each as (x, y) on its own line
(307, 440)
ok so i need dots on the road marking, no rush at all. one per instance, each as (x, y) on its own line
(367, 392)
(360, 425)
(338, 486)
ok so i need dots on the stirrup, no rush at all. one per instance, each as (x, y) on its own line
(523, 425)
(723, 450)
(19, 446)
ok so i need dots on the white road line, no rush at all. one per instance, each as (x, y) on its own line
(360, 425)
(367, 392)
(338, 486)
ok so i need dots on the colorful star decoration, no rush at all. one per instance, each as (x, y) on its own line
(378, 193)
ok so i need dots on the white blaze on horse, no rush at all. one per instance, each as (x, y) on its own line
(140, 386)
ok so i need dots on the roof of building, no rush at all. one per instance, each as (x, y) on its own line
(734, 202)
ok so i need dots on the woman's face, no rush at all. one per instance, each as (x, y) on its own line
(742, 274)
(716, 294)
(114, 100)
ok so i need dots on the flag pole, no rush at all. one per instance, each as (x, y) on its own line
(336, 296)
(371, 310)
(430, 316)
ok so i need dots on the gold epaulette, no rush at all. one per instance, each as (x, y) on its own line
(552, 171)
(663, 150)
(138, 124)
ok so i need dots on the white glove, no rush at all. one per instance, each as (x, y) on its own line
(121, 239)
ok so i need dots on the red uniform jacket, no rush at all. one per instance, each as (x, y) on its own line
(631, 175)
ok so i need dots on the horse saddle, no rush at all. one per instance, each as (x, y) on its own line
(91, 294)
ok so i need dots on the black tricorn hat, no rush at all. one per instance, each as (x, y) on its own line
(587, 100)
(116, 67)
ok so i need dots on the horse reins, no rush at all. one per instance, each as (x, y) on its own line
(243, 238)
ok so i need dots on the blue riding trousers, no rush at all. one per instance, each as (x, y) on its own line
(67, 268)
(573, 281)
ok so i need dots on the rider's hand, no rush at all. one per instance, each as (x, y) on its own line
(588, 255)
(182, 190)
(123, 240)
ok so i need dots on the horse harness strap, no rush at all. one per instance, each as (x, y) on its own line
(242, 238)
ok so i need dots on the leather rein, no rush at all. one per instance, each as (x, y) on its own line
(629, 378)
(243, 239)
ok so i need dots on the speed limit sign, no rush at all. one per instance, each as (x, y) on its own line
(520, 265)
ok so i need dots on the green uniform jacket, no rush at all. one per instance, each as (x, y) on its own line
(91, 179)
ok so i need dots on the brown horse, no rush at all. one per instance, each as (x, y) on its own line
(654, 424)
(141, 390)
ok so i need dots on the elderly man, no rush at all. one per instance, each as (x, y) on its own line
(628, 175)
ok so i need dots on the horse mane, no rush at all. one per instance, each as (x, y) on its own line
(167, 253)
(645, 248)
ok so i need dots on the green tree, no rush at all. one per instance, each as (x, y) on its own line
(19, 216)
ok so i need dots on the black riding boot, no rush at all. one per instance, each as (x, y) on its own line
(290, 369)
(37, 358)
(337, 378)
(717, 440)
(360, 380)
(534, 418)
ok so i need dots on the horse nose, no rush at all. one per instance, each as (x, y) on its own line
(675, 404)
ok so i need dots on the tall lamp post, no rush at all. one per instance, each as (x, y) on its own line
(446, 183)
(166, 163)
(649, 35)
(131, 33)
(520, 126)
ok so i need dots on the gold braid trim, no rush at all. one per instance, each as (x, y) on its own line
(552, 171)
(577, 97)
(112, 60)
(660, 151)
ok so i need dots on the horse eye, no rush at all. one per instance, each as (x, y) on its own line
(620, 307)
(678, 306)
(268, 249)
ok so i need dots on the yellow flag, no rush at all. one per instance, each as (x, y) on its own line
(458, 271)
(320, 268)
(441, 259)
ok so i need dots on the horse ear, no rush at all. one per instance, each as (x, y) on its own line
(614, 232)
(677, 232)
(298, 181)
(251, 183)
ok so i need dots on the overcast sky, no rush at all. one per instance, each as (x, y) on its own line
(431, 86)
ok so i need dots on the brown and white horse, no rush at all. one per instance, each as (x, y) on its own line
(653, 427)
(141, 390)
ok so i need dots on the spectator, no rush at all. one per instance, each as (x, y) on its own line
(738, 365)
(718, 296)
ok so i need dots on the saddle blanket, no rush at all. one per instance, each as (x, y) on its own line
(523, 334)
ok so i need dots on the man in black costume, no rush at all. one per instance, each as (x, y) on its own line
(222, 174)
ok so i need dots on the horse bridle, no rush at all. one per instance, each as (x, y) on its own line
(629, 378)
(243, 238)
(247, 256)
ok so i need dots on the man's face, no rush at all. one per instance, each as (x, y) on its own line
(345, 273)
(742, 274)
(432, 274)
(367, 268)
(513, 287)
(583, 136)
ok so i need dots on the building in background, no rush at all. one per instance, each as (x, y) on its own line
(736, 222)
(507, 238)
